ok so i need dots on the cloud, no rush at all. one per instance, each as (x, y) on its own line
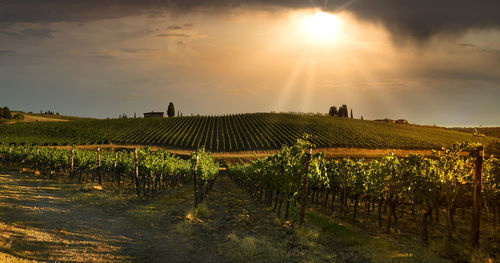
(136, 50)
(480, 49)
(173, 35)
(405, 19)
(174, 27)
(106, 53)
(30, 33)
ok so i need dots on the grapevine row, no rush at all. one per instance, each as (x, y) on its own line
(241, 132)
(412, 186)
(149, 172)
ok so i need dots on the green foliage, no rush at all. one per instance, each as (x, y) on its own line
(242, 132)
(19, 117)
(444, 181)
(5, 113)
(207, 167)
(150, 162)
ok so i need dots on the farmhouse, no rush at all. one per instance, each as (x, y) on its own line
(401, 121)
(153, 114)
(385, 120)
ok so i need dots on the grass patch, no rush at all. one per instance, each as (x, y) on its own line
(9, 258)
(250, 248)
(197, 214)
(375, 249)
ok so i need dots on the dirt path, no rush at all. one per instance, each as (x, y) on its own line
(236, 157)
(45, 220)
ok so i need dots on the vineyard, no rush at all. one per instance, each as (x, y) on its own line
(390, 192)
(148, 172)
(241, 132)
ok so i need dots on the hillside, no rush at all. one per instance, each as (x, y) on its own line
(34, 117)
(242, 132)
(488, 131)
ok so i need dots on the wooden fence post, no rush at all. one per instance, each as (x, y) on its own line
(136, 173)
(114, 169)
(194, 182)
(476, 206)
(72, 162)
(303, 198)
(99, 165)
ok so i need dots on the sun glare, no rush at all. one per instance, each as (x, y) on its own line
(322, 27)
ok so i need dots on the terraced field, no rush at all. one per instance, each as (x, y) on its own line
(240, 132)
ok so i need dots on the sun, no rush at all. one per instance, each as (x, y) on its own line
(322, 27)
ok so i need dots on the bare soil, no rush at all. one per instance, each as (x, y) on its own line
(44, 219)
(252, 155)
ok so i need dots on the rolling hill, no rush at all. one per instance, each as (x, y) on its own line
(239, 132)
(488, 131)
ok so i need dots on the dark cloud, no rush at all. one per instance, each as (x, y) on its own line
(414, 19)
(480, 49)
(188, 25)
(30, 33)
(173, 35)
(423, 19)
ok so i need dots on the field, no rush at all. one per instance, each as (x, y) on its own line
(241, 132)
(368, 210)
(488, 131)
(142, 203)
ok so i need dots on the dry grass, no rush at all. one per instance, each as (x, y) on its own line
(245, 156)
(33, 118)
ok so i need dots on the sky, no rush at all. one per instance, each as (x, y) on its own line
(430, 62)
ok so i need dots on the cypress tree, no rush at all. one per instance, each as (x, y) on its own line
(171, 110)
(343, 112)
(6, 113)
(352, 117)
(333, 111)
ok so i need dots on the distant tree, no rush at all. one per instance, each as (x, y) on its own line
(343, 112)
(6, 113)
(171, 110)
(361, 117)
(57, 113)
(19, 117)
(1, 113)
(135, 115)
(352, 116)
(333, 111)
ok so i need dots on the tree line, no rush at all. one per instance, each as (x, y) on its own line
(342, 111)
